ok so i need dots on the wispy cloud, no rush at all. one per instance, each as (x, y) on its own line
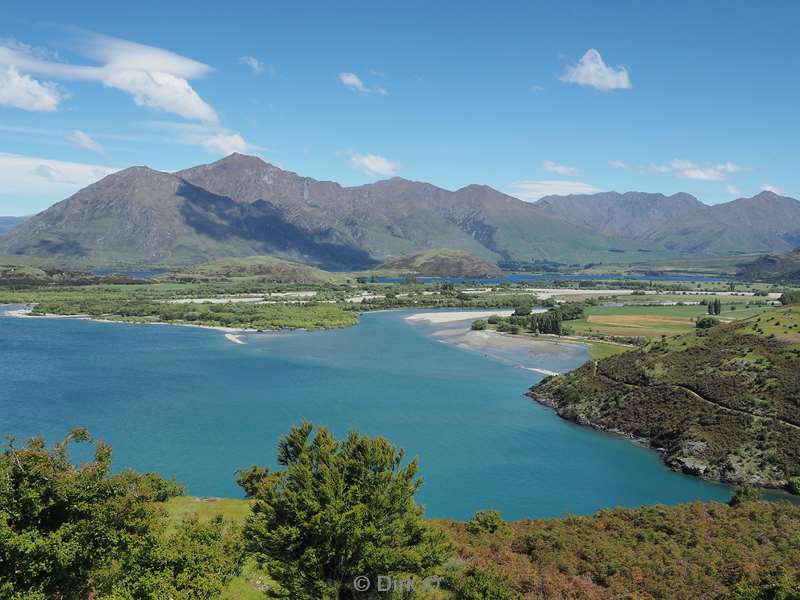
(354, 82)
(373, 164)
(225, 143)
(29, 177)
(25, 92)
(591, 70)
(618, 164)
(771, 188)
(689, 170)
(83, 140)
(211, 137)
(531, 191)
(257, 66)
(559, 169)
(686, 169)
(153, 77)
(733, 190)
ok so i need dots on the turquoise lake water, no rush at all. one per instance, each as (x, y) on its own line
(188, 403)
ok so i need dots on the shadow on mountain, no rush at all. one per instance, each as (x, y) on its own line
(261, 223)
(51, 248)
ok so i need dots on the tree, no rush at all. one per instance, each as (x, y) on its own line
(522, 310)
(486, 521)
(337, 510)
(72, 532)
(706, 322)
(790, 297)
(479, 325)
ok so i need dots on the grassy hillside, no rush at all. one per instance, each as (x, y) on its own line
(265, 269)
(722, 403)
(443, 262)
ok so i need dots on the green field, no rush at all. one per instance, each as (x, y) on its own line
(652, 321)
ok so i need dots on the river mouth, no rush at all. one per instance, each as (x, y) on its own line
(189, 403)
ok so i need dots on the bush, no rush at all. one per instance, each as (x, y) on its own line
(744, 494)
(478, 325)
(522, 310)
(794, 484)
(475, 584)
(486, 521)
(706, 322)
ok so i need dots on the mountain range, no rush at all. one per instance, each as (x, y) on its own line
(243, 206)
(764, 223)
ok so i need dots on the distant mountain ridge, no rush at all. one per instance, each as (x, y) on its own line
(766, 222)
(243, 206)
(8, 223)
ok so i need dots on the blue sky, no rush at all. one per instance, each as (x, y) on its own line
(528, 97)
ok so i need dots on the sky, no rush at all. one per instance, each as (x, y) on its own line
(531, 98)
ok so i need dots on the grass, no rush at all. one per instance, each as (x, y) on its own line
(650, 321)
(246, 585)
(205, 509)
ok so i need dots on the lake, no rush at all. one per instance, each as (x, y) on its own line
(188, 403)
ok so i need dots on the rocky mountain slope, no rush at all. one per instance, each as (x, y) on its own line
(764, 223)
(722, 403)
(242, 206)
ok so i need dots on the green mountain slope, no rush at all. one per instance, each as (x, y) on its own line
(722, 403)
(780, 268)
(265, 269)
(443, 263)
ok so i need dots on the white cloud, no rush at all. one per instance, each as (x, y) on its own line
(591, 70)
(82, 140)
(618, 164)
(686, 169)
(22, 91)
(225, 143)
(162, 92)
(255, 65)
(211, 137)
(28, 176)
(354, 82)
(154, 77)
(531, 191)
(733, 190)
(560, 169)
(374, 165)
(689, 170)
(771, 188)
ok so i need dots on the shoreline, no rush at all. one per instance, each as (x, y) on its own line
(22, 313)
(644, 442)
